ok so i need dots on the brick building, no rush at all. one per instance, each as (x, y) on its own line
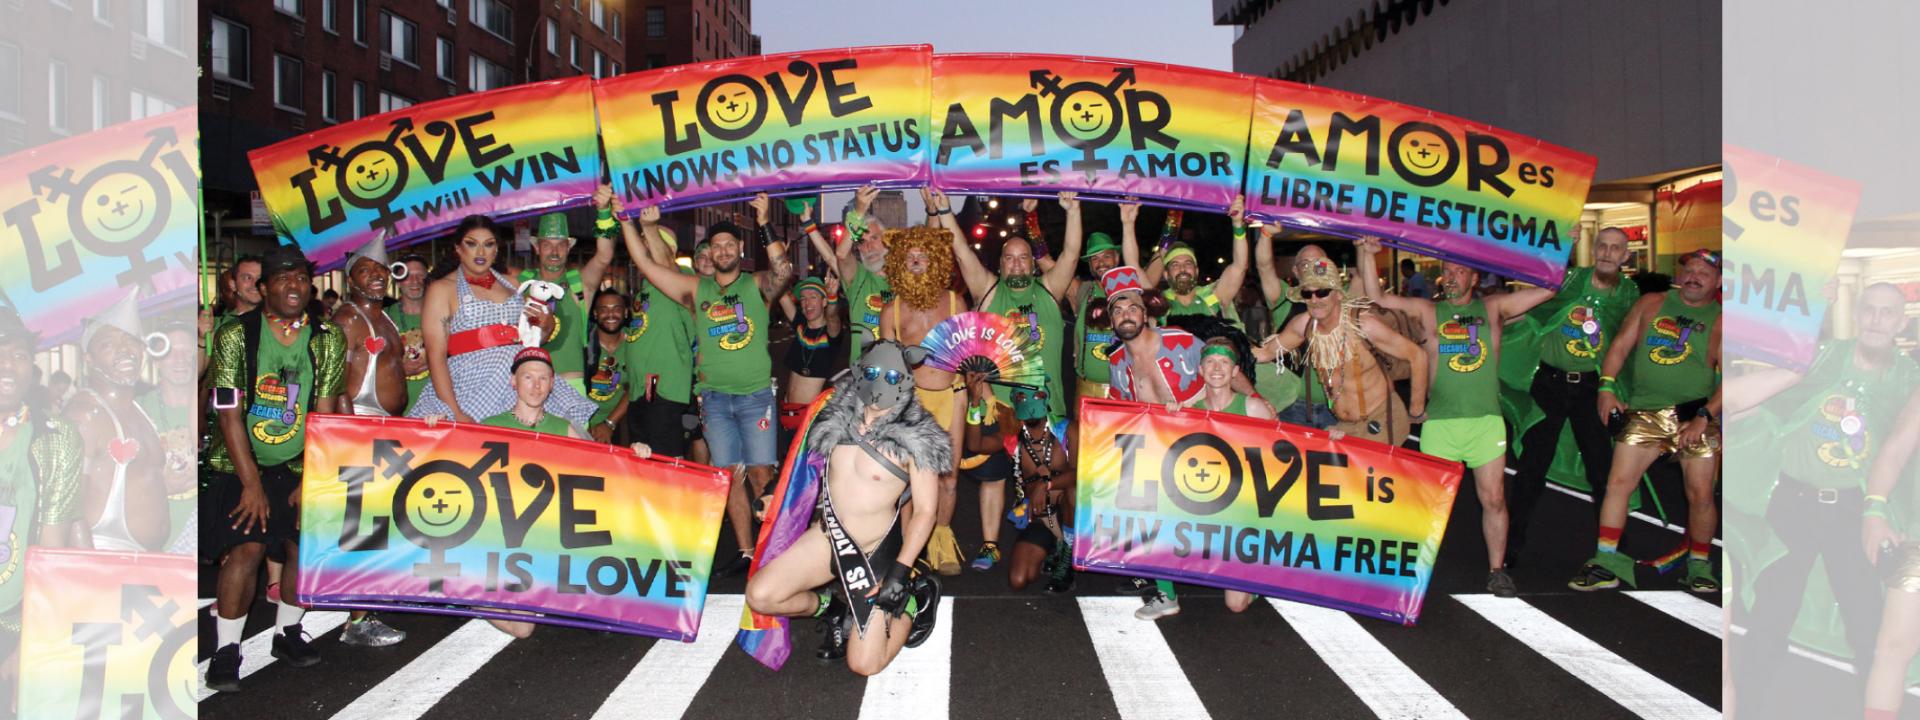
(112, 62)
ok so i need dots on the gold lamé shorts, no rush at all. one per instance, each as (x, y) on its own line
(1900, 568)
(1091, 389)
(1661, 429)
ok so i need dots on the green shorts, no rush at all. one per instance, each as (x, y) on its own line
(1475, 441)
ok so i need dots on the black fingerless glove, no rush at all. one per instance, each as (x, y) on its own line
(893, 590)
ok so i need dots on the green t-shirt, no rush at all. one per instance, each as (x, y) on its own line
(1840, 412)
(731, 326)
(18, 496)
(1094, 366)
(414, 345)
(1585, 319)
(1671, 366)
(275, 440)
(1036, 310)
(607, 382)
(1205, 302)
(549, 424)
(659, 344)
(569, 324)
(1467, 384)
(867, 294)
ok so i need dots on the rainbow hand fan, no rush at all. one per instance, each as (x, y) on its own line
(988, 343)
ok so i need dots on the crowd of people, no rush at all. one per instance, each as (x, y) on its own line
(679, 363)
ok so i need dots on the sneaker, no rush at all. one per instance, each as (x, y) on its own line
(1593, 577)
(223, 672)
(1158, 606)
(833, 642)
(1501, 584)
(926, 593)
(370, 632)
(985, 559)
(1060, 569)
(739, 565)
(291, 645)
(1700, 577)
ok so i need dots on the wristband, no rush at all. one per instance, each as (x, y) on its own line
(1239, 231)
(976, 415)
(810, 228)
(764, 234)
(1607, 379)
(1875, 511)
(1606, 386)
(1876, 499)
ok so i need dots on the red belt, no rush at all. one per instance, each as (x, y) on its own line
(481, 338)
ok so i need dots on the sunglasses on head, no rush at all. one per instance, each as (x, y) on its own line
(1316, 294)
(873, 373)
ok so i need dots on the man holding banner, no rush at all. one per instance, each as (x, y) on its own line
(734, 374)
(40, 458)
(551, 244)
(1464, 420)
(1181, 267)
(1020, 292)
(861, 262)
(1671, 404)
(1347, 350)
(1089, 301)
(659, 353)
(1219, 366)
(272, 369)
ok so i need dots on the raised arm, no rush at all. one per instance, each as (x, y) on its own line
(772, 281)
(1271, 286)
(1514, 304)
(1397, 345)
(1367, 276)
(976, 275)
(604, 228)
(1129, 235)
(1755, 388)
(1234, 275)
(660, 271)
(1060, 277)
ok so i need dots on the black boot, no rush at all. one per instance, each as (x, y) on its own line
(833, 642)
(926, 593)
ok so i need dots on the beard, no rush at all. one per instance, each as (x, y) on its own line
(718, 267)
(1018, 282)
(1129, 329)
(1183, 283)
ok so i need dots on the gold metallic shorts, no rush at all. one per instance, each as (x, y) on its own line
(1901, 568)
(1661, 429)
(1090, 389)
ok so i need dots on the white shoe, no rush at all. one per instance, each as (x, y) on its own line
(1158, 606)
(371, 633)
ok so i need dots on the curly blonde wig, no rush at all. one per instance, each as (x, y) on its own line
(921, 290)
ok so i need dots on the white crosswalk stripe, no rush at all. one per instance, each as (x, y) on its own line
(1139, 668)
(1145, 678)
(1388, 687)
(256, 651)
(1634, 688)
(413, 690)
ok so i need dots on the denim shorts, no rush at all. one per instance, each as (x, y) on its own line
(740, 428)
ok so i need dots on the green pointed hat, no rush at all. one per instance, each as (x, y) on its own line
(553, 225)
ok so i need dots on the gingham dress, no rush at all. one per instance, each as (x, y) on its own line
(482, 379)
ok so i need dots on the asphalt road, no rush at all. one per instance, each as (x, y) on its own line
(1000, 654)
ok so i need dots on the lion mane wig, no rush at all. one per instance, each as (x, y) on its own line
(925, 289)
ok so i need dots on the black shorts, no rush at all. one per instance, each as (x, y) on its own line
(221, 494)
(1037, 534)
(998, 467)
(660, 423)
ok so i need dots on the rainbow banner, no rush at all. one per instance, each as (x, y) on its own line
(479, 521)
(798, 123)
(108, 635)
(1036, 125)
(766, 638)
(1434, 184)
(91, 216)
(419, 170)
(1784, 228)
(1259, 506)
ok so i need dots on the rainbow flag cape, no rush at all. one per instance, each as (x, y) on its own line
(765, 637)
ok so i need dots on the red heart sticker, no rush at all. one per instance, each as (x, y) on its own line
(375, 344)
(122, 450)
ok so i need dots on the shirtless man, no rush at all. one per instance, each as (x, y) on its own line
(920, 266)
(125, 495)
(1464, 331)
(1341, 339)
(884, 451)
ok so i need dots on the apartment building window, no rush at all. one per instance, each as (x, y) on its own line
(143, 105)
(359, 99)
(160, 23)
(103, 11)
(290, 7)
(656, 22)
(579, 52)
(100, 102)
(57, 96)
(329, 10)
(619, 28)
(288, 91)
(553, 37)
(445, 62)
(329, 109)
(599, 64)
(390, 102)
(484, 74)
(599, 14)
(399, 38)
(231, 43)
(495, 17)
(360, 22)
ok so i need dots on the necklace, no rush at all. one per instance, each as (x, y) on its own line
(812, 342)
(485, 281)
(18, 418)
(289, 327)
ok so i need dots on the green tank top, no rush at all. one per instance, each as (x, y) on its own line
(415, 345)
(1843, 420)
(1238, 406)
(867, 294)
(659, 347)
(1586, 319)
(1204, 303)
(1671, 366)
(569, 325)
(1094, 366)
(277, 422)
(1467, 383)
(19, 500)
(731, 326)
(550, 424)
(1034, 309)
(607, 383)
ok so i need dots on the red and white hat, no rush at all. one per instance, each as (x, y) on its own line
(1122, 279)
(530, 355)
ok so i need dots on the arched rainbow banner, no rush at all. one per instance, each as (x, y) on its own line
(904, 116)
